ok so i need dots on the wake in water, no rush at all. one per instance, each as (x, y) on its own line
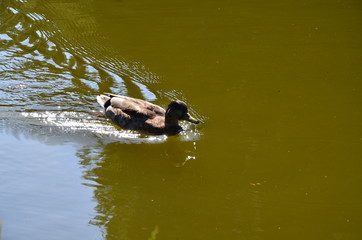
(50, 80)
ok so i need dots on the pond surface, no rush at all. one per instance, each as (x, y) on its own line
(277, 86)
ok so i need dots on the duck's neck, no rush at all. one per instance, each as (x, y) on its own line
(170, 121)
(172, 126)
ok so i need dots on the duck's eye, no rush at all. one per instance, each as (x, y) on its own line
(181, 113)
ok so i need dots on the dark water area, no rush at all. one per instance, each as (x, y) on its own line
(277, 87)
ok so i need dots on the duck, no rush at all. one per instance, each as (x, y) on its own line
(136, 114)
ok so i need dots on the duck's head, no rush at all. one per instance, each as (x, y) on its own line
(177, 110)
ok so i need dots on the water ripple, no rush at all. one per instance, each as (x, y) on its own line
(50, 77)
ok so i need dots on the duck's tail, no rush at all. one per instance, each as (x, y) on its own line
(102, 100)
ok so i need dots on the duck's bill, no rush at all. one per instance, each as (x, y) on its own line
(191, 119)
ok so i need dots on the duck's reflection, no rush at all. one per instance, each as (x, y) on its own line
(131, 182)
(136, 187)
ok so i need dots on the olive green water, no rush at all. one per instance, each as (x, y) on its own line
(276, 84)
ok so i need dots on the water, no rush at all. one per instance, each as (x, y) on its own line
(277, 86)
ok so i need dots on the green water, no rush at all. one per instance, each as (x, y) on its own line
(276, 84)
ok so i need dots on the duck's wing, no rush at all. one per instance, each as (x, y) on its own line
(136, 108)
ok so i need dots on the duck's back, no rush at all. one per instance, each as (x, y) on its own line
(137, 108)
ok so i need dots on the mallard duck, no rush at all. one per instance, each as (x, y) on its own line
(137, 114)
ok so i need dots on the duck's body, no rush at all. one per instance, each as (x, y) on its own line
(137, 114)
